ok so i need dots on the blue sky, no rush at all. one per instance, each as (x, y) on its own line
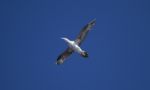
(118, 45)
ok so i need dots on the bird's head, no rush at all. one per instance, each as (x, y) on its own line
(65, 39)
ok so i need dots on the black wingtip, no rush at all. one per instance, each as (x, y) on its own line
(94, 19)
(57, 63)
(60, 61)
(93, 22)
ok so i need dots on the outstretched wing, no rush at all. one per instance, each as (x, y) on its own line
(61, 58)
(83, 33)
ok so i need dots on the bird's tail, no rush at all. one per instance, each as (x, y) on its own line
(84, 54)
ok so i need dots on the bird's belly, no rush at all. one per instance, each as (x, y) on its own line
(76, 48)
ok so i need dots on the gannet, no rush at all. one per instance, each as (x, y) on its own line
(74, 46)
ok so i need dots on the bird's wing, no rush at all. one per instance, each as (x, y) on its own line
(61, 58)
(84, 31)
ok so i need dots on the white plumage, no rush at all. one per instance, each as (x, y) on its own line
(74, 46)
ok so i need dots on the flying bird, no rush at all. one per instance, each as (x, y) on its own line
(74, 46)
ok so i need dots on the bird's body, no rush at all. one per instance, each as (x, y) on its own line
(74, 46)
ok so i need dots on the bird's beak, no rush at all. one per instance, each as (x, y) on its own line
(63, 38)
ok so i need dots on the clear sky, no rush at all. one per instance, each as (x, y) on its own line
(118, 45)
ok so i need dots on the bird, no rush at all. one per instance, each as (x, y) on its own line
(74, 45)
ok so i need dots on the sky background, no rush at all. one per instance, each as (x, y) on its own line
(118, 45)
